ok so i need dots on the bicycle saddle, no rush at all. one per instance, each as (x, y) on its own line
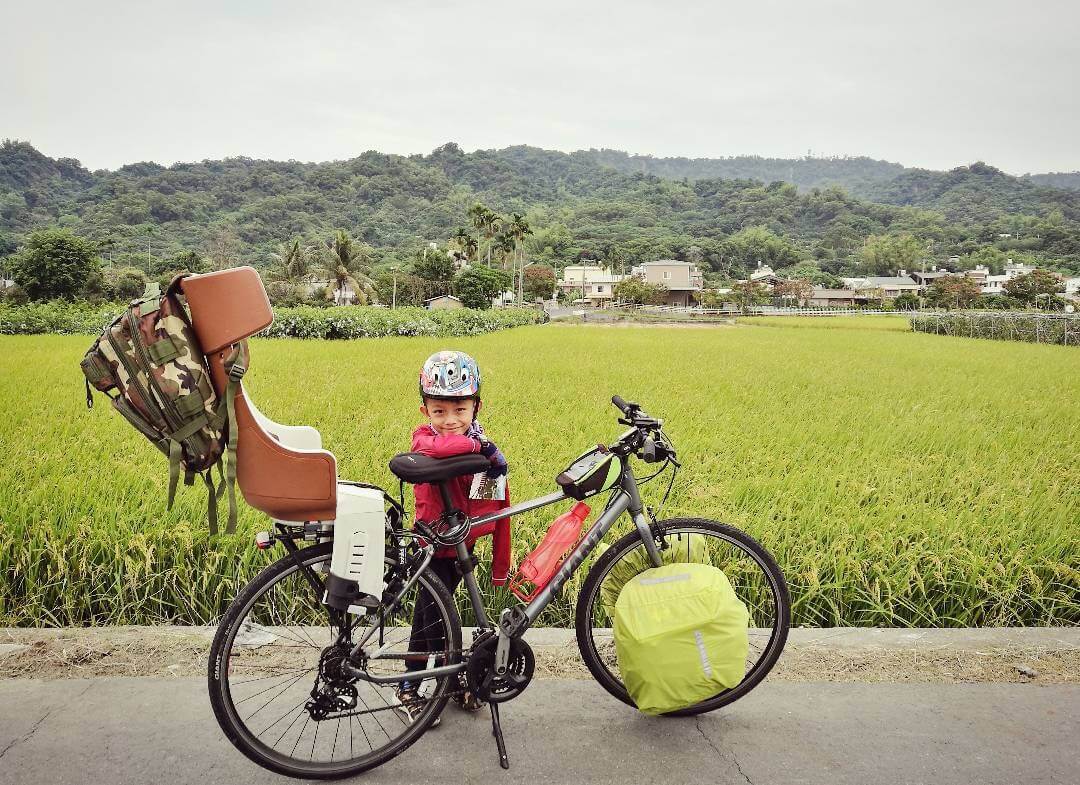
(412, 467)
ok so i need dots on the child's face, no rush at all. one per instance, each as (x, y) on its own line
(449, 416)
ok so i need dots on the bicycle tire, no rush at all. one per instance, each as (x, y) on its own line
(590, 591)
(258, 752)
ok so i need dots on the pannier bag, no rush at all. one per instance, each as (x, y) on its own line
(680, 636)
(682, 548)
(148, 361)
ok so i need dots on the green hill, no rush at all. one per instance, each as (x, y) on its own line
(585, 203)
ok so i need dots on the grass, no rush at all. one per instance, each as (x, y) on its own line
(898, 478)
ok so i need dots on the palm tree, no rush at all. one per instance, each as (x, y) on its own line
(477, 215)
(491, 224)
(506, 246)
(519, 229)
(347, 262)
(292, 262)
(466, 242)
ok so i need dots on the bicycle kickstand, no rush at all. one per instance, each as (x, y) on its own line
(496, 731)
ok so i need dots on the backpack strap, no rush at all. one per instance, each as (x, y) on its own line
(237, 365)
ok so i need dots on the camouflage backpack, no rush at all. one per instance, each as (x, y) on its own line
(151, 358)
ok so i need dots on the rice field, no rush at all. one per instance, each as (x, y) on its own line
(900, 479)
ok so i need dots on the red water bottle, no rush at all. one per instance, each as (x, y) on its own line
(540, 566)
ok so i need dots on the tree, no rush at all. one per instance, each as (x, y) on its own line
(906, 301)
(347, 263)
(504, 244)
(519, 229)
(539, 282)
(125, 283)
(889, 253)
(291, 262)
(635, 290)
(756, 244)
(479, 216)
(54, 263)
(747, 293)
(808, 271)
(433, 265)
(223, 247)
(795, 289)
(952, 291)
(1027, 288)
(478, 286)
(490, 224)
(468, 244)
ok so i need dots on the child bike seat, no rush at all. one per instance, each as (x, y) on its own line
(412, 467)
(281, 470)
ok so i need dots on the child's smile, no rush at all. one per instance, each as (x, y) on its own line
(450, 417)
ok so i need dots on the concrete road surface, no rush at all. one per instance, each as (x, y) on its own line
(162, 731)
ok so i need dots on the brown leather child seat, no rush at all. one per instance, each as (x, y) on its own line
(281, 470)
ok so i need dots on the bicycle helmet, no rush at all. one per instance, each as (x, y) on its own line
(450, 374)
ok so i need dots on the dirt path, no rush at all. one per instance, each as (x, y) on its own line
(182, 651)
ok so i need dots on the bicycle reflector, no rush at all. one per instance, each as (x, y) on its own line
(263, 540)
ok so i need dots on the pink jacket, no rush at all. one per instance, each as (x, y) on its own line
(426, 441)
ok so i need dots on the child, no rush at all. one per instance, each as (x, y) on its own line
(450, 400)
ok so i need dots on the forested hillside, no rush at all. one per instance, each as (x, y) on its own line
(584, 204)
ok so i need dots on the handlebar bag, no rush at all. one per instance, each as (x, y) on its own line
(680, 636)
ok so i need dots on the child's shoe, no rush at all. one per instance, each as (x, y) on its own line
(411, 704)
(466, 699)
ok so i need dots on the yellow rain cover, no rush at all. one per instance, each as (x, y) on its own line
(682, 547)
(680, 636)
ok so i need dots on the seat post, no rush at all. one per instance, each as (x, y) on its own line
(444, 492)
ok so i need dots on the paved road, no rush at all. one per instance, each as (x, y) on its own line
(161, 731)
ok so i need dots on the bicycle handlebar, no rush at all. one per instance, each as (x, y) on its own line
(641, 437)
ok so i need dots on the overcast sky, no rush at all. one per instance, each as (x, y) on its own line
(935, 84)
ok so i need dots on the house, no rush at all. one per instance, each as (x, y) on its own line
(682, 279)
(881, 287)
(342, 297)
(995, 284)
(589, 282)
(1072, 288)
(926, 279)
(821, 297)
(978, 275)
(442, 302)
(764, 275)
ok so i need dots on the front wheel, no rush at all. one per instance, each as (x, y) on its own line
(753, 573)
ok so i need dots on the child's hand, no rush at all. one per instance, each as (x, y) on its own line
(492, 452)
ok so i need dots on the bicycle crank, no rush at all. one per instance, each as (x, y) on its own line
(489, 686)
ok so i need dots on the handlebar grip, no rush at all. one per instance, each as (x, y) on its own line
(622, 405)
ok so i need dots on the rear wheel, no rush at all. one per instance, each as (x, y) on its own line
(278, 687)
(753, 573)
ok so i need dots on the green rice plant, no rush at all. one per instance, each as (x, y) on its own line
(899, 479)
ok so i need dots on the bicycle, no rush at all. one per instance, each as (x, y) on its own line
(278, 641)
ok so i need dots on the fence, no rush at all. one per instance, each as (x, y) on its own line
(1056, 328)
(754, 310)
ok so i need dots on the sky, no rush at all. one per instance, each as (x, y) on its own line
(932, 84)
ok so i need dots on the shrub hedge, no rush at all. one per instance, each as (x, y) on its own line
(69, 318)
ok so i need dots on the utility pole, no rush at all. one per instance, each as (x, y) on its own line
(393, 301)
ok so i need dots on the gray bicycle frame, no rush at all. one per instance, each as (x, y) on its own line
(625, 499)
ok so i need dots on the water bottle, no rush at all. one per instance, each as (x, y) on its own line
(540, 566)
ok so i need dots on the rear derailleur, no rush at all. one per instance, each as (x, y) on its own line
(334, 691)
